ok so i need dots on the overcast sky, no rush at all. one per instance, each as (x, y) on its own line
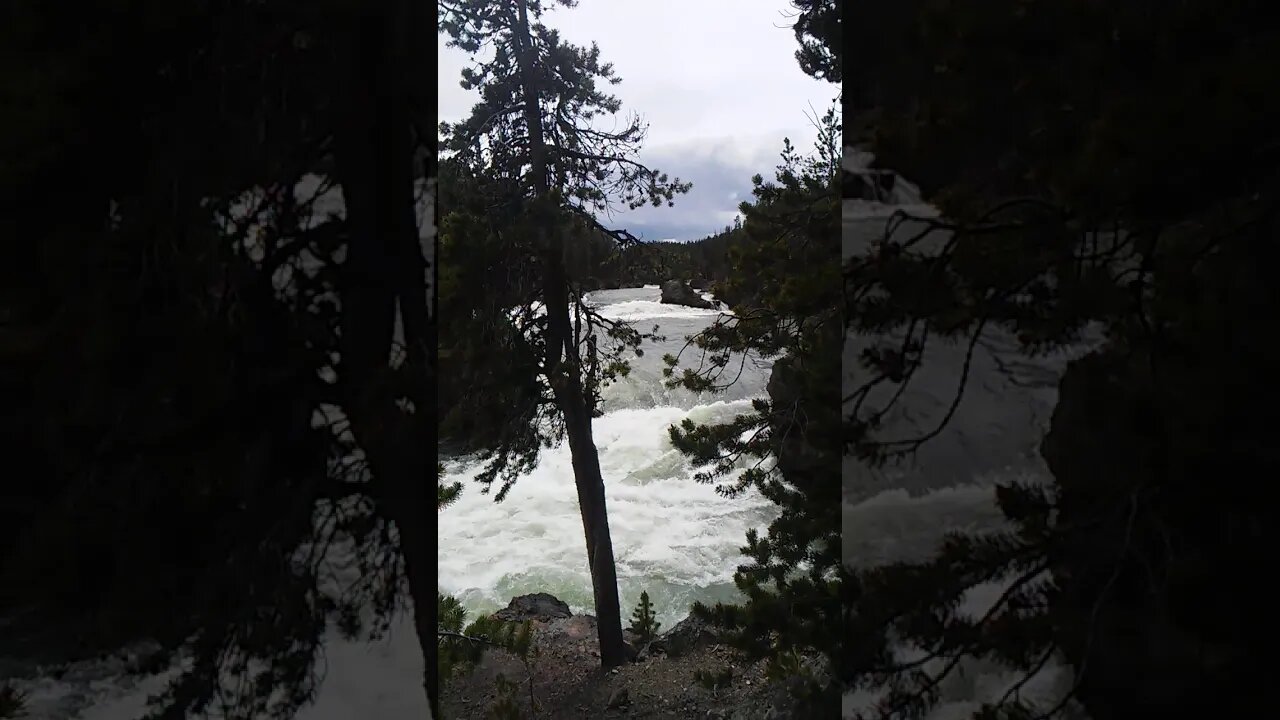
(718, 83)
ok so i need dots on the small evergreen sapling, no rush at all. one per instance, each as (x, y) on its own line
(643, 621)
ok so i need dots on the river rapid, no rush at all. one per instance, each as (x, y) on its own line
(672, 536)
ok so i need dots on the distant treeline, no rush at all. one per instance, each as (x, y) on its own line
(599, 263)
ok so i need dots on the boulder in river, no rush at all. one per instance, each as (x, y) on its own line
(677, 292)
(538, 606)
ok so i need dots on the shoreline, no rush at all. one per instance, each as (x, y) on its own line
(563, 678)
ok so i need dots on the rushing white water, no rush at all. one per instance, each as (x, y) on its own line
(904, 512)
(672, 536)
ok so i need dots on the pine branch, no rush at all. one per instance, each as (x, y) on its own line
(471, 638)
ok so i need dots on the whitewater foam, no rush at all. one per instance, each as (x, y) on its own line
(672, 536)
(633, 310)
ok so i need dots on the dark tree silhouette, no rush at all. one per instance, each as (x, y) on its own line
(178, 310)
(532, 134)
(1068, 194)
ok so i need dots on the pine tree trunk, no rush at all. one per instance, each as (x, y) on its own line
(595, 525)
(384, 276)
(565, 377)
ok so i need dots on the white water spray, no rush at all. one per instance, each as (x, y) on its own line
(672, 536)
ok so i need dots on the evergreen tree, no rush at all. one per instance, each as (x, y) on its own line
(532, 133)
(643, 623)
(788, 259)
(195, 233)
(1069, 196)
(783, 284)
(817, 30)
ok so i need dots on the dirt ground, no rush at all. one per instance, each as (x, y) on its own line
(564, 680)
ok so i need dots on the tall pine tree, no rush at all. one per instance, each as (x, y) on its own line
(789, 447)
(201, 457)
(784, 286)
(533, 133)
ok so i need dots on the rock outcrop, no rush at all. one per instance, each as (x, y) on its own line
(1154, 589)
(795, 380)
(794, 455)
(685, 636)
(538, 606)
(677, 292)
(567, 681)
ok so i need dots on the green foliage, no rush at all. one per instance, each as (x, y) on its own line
(491, 400)
(446, 495)
(788, 448)
(1068, 197)
(491, 262)
(498, 402)
(462, 645)
(591, 168)
(817, 31)
(643, 622)
(540, 99)
(811, 690)
(505, 706)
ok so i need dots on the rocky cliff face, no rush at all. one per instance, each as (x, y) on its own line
(566, 680)
(795, 456)
(1156, 585)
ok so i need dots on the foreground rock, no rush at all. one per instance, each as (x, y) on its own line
(687, 635)
(538, 606)
(565, 680)
(677, 292)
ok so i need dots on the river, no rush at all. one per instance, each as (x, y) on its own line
(902, 513)
(672, 536)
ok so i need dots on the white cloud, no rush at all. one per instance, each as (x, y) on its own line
(716, 80)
